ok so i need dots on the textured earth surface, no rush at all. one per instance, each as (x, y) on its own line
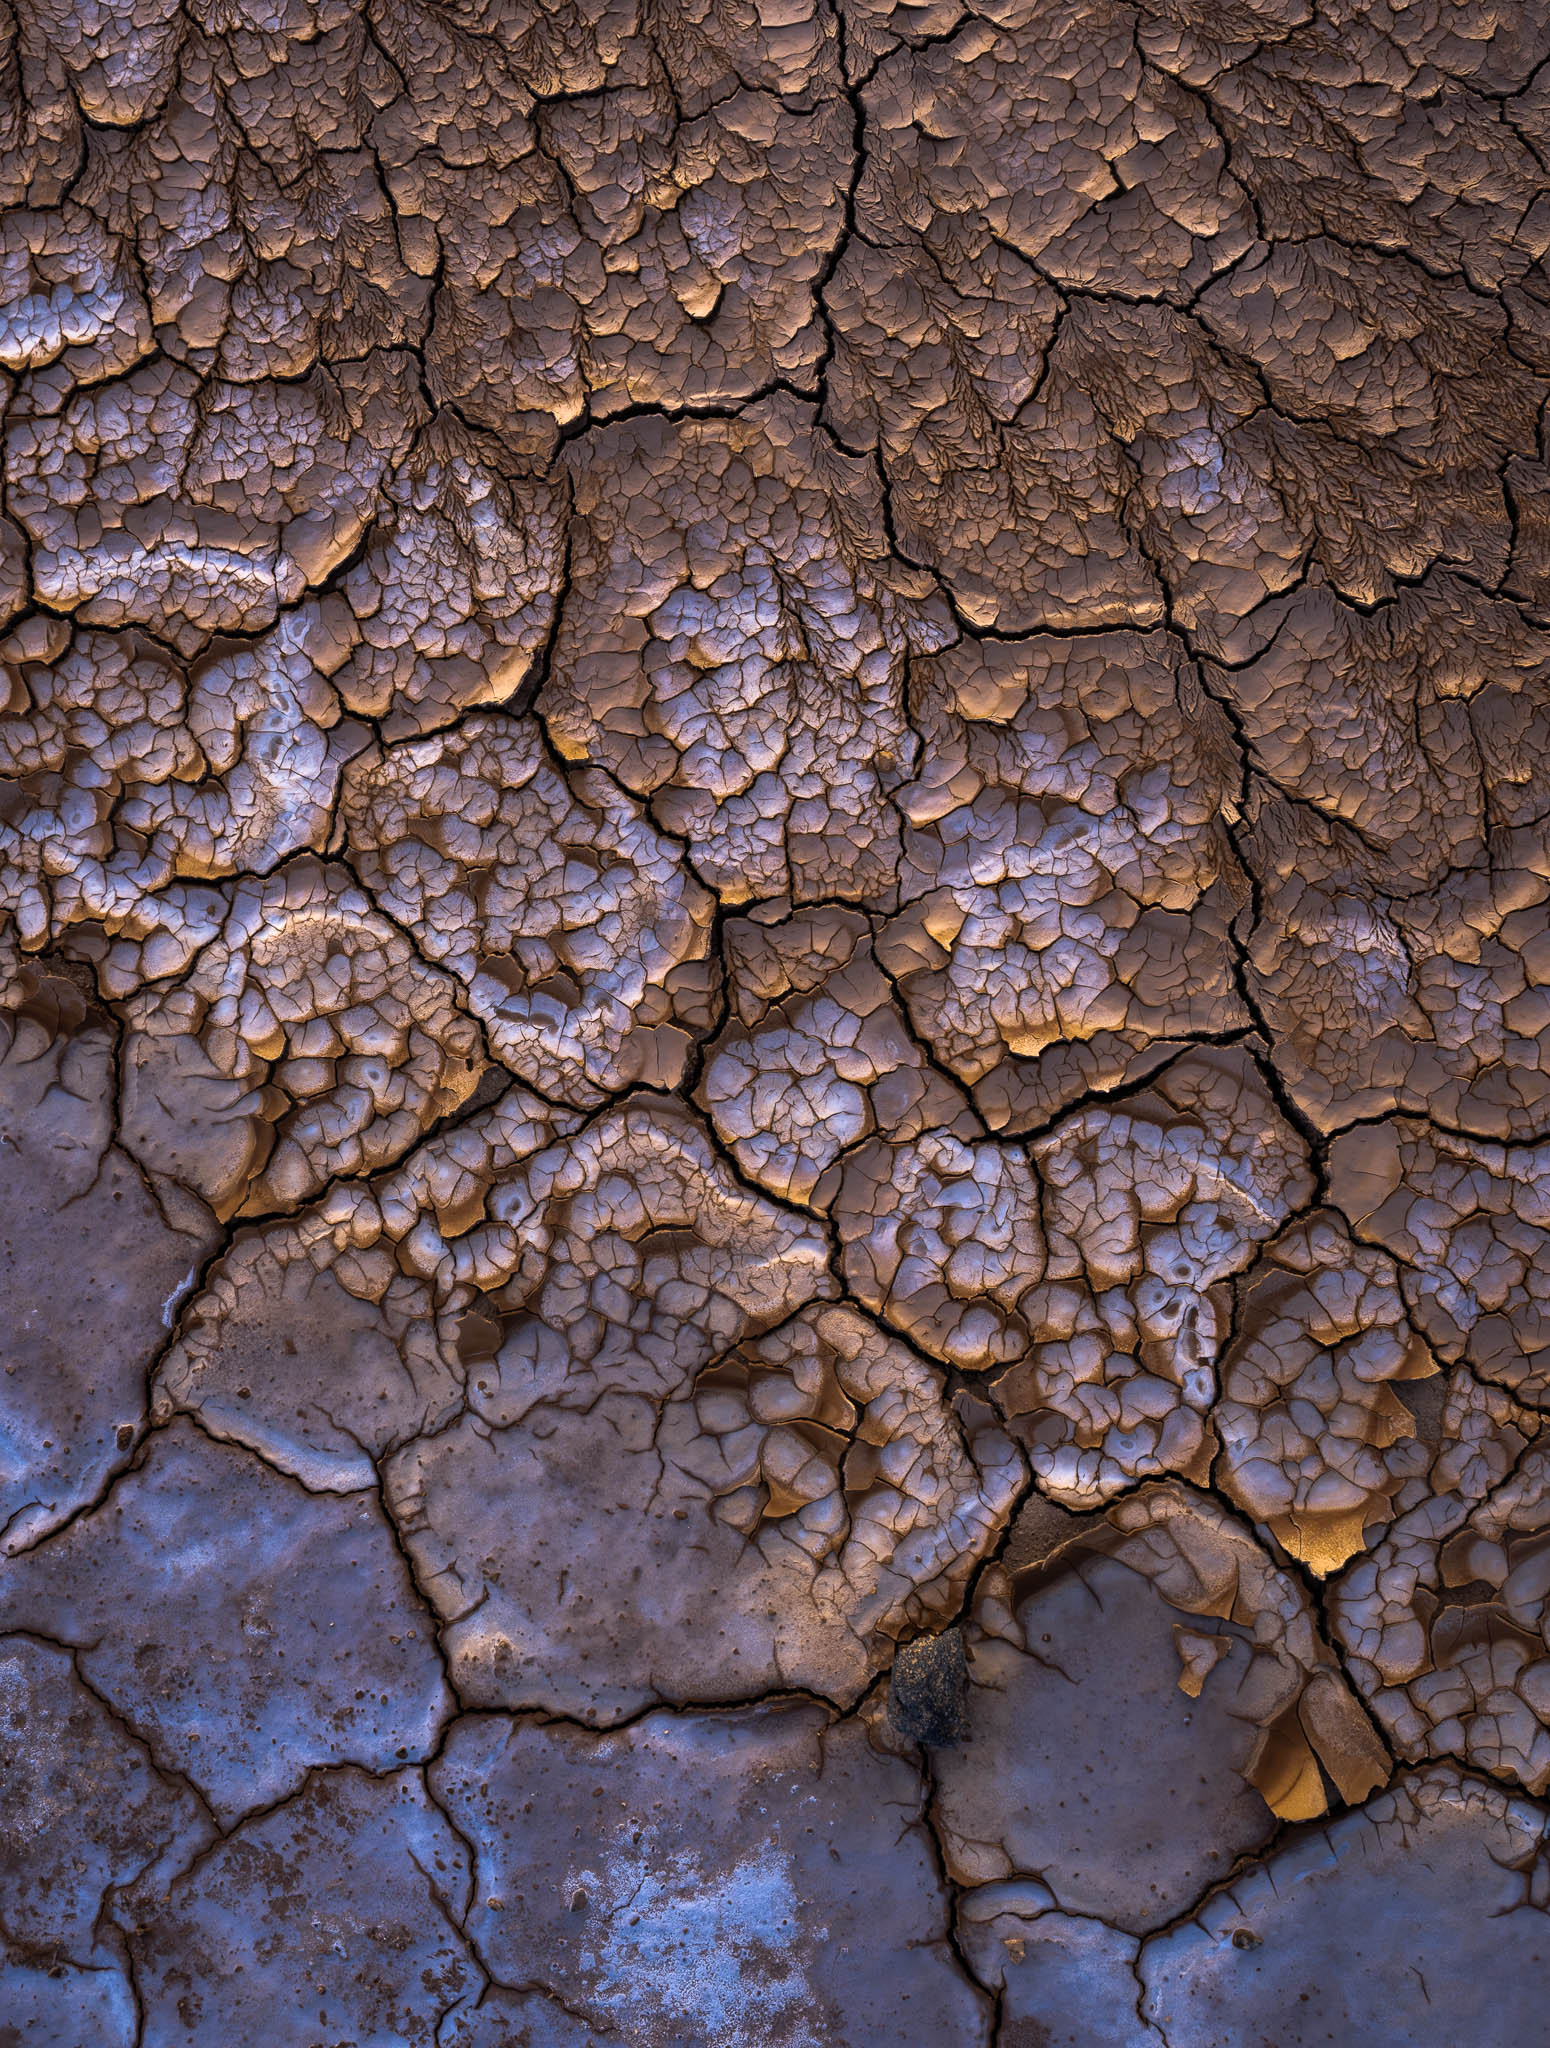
(774, 1023)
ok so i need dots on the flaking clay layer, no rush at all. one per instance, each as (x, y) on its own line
(774, 1023)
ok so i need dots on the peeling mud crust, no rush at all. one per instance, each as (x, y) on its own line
(774, 1023)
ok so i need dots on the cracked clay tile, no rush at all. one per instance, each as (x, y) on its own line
(247, 1630)
(1334, 1936)
(774, 912)
(1051, 1783)
(639, 1506)
(335, 1917)
(1065, 1980)
(757, 1880)
(73, 1365)
(92, 1829)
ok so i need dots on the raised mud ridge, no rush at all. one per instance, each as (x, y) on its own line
(774, 1024)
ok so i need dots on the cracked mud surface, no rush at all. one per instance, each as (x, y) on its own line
(774, 1023)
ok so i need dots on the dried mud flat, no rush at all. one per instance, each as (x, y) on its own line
(774, 1024)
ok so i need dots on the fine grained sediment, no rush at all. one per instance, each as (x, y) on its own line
(774, 1023)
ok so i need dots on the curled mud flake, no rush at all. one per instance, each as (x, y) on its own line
(73, 1358)
(278, 1353)
(199, 508)
(247, 1630)
(1314, 1741)
(125, 777)
(659, 243)
(817, 1056)
(456, 589)
(306, 1041)
(583, 1531)
(1444, 1621)
(734, 648)
(1150, 1206)
(1167, 1601)
(943, 1239)
(68, 294)
(757, 1879)
(1400, 934)
(1046, 1781)
(1315, 1440)
(1469, 1225)
(1068, 884)
(347, 1900)
(576, 930)
(606, 1550)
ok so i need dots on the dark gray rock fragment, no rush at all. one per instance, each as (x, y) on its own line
(926, 1690)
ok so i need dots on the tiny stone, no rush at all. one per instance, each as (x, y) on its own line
(926, 1689)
